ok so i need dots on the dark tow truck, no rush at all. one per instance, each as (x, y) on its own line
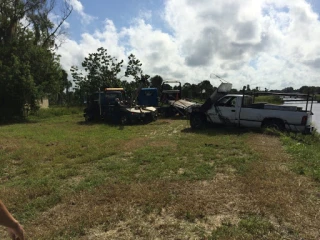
(111, 105)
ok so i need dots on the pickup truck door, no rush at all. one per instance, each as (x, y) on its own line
(224, 111)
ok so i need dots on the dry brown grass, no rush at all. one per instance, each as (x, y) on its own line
(287, 199)
(149, 210)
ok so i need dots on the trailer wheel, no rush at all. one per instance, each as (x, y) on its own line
(197, 121)
(276, 124)
(123, 120)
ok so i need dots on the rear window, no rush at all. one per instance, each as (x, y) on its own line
(248, 100)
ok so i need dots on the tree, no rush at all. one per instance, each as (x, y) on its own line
(156, 82)
(233, 90)
(134, 70)
(288, 90)
(101, 71)
(29, 67)
(206, 88)
(35, 13)
(186, 90)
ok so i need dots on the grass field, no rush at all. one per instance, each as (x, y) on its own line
(64, 179)
(269, 99)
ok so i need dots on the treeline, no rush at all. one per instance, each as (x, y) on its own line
(101, 70)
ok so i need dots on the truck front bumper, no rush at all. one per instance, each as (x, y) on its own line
(309, 129)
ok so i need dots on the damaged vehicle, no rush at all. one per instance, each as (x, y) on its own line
(241, 110)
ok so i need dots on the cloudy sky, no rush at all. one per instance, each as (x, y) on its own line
(266, 43)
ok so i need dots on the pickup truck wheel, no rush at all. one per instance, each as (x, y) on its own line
(197, 121)
(275, 124)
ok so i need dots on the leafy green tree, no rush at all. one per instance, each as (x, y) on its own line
(156, 82)
(17, 86)
(134, 70)
(101, 71)
(35, 14)
(186, 90)
(29, 67)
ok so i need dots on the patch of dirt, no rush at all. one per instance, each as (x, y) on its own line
(133, 144)
(9, 146)
(162, 143)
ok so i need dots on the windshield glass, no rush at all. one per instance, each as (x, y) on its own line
(111, 96)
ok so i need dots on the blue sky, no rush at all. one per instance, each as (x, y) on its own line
(273, 43)
(121, 12)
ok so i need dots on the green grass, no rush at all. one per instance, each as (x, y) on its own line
(305, 149)
(56, 164)
(269, 99)
(55, 111)
(45, 156)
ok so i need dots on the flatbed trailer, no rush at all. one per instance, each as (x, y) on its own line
(171, 102)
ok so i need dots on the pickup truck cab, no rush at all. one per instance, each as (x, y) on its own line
(239, 110)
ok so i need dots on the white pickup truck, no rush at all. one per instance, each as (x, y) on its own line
(239, 110)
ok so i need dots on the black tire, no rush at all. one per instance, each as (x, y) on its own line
(123, 120)
(197, 121)
(154, 117)
(87, 116)
(276, 124)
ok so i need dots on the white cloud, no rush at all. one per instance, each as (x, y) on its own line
(266, 43)
(78, 7)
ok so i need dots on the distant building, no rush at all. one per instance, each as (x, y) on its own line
(43, 102)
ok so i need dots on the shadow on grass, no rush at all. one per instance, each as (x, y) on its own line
(176, 117)
(221, 130)
(112, 124)
(92, 123)
(21, 121)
